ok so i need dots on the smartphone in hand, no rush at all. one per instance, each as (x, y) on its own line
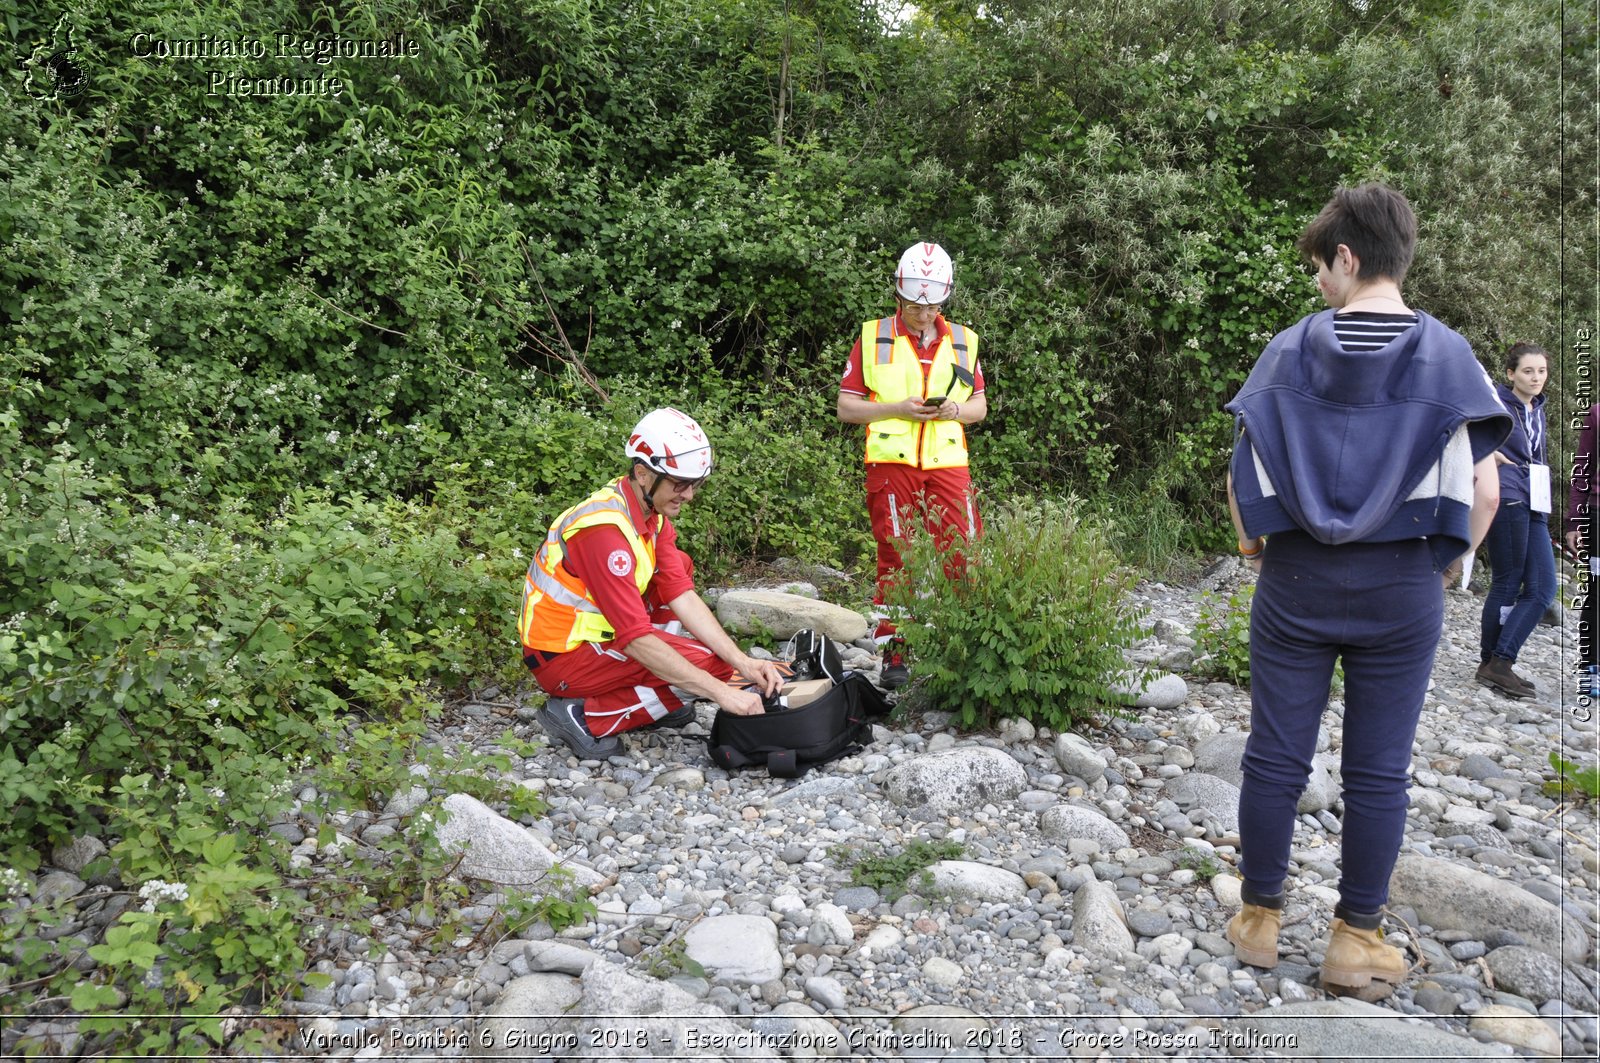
(938, 401)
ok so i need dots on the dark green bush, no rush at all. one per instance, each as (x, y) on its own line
(1036, 626)
(140, 640)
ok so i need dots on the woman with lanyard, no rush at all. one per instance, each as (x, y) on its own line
(1524, 570)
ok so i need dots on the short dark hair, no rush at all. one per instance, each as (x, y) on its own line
(1516, 352)
(1374, 221)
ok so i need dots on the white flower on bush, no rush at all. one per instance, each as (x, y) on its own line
(11, 882)
(156, 892)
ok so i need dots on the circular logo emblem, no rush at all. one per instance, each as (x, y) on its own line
(620, 563)
(68, 77)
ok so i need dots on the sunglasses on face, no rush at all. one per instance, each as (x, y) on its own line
(680, 486)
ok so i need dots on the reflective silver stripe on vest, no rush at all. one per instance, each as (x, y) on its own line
(885, 340)
(958, 341)
(548, 585)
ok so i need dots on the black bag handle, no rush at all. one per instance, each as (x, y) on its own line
(782, 764)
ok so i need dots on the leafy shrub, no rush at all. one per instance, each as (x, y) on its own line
(220, 922)
(1035, 626)
(1222, 638)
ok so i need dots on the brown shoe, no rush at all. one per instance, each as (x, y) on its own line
(1254, 933)
(1496, 673)
(1359, 964)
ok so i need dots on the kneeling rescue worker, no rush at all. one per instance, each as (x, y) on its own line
(609, 595)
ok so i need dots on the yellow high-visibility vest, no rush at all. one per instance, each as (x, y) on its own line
(893, 373)
(558, 612)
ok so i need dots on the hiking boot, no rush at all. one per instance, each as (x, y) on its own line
(563, 718)
(1357, 962)
(682, 716)
(1496, 673)
(1254, 931)
(895, 674)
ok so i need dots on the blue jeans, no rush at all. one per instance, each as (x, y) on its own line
(1378, 607)
(1523, 578)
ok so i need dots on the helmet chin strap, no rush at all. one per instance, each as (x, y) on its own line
(650, 495)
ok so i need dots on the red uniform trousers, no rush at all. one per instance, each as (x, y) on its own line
(942, 498)
(620, 694)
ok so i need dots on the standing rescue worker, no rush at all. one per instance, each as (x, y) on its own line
(609, 592)
(913, 380)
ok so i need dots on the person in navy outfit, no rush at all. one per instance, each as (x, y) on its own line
(1363, 468)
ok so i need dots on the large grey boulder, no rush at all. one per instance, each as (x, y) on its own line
(495, 849)
(1066, 823)
(966, 879)
(753, 611)
(1534, 1034)
(78, 854)
(1217, 798)
(1078, 758)
(937, 1024)
(956, 780)
(810, 1035)
(1163, 691)
(742, 949)
(1530, 973)
(655, 1019)
(1342, 1030)
(530, 1012)
(1448, 896)
(1099, 925)
(1223, 756)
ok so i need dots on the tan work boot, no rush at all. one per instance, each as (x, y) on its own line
(1359, 964)
(1254, 931)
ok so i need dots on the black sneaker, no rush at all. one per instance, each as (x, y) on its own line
(895, 674)
(679, 717)
(563, 718)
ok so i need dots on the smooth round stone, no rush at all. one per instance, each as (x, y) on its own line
(1147, 923)
(857, 898)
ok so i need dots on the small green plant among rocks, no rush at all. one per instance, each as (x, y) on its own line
(562, 904)
(1572, 781)
(1205, 866)
(670, 959)
(892, 874)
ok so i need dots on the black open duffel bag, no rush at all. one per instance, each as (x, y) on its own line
(789, 742)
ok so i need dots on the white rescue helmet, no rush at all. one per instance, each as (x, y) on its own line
(925, 275)
(672, 443)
